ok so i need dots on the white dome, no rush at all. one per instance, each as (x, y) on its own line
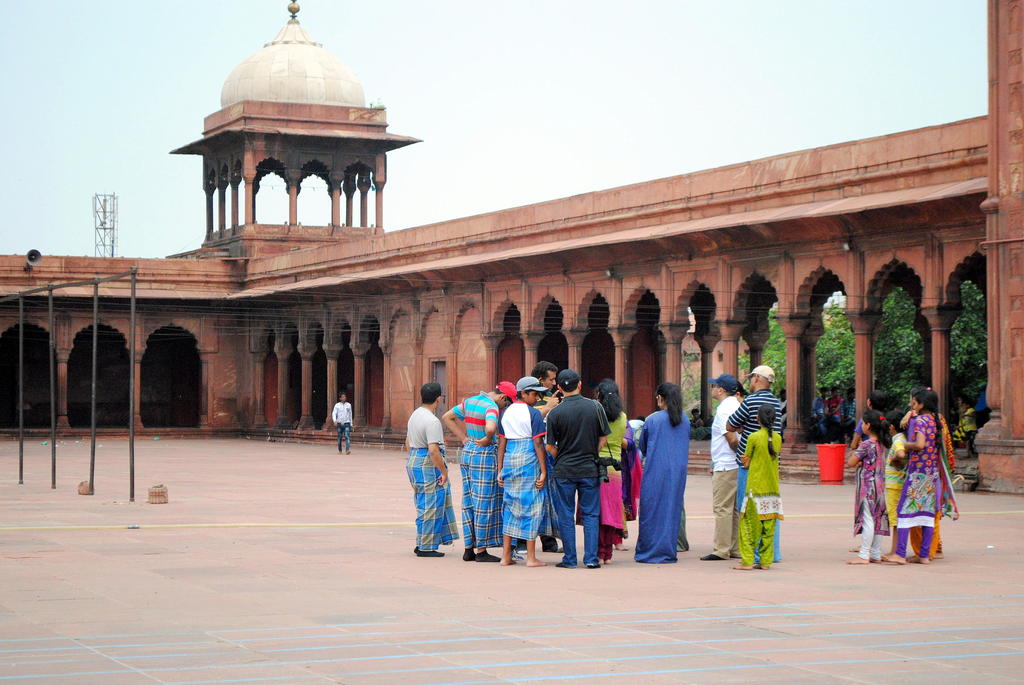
(293, 68)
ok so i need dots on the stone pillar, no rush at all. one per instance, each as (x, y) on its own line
(235, 180)
(62, 387)
(756, 339)
(731, 331)
(675, 334)
(378, 217)
(306, 418)
(332, 382)
(530, 342)
(574, 338)
(250, 199)
(621, 337)
(259, 411)
(336, 182)
(205, 405)
(707, 343)
(864, 325)
(293, 197)
(359, 384)
(283, 350)
(222, 205)
(386, 419)
(209, 211)
(940, 320)
(491, 342)
(349, 187)
(364, 208)
(798, 409)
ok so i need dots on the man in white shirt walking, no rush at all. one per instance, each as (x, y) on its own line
(342, 418)
(724, 469)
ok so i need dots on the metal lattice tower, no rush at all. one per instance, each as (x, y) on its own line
(104, 212)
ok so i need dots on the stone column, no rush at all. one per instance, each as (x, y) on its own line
(336, 181)
(940, 320)
(306, 418)
(707, 343)
(250, 199)
(293, 197)
(222, 205)
(259, 411)
(349, 188)
(62, 387)
(731, 331)
(797, 408)
(332, 382)
(209, 211)
(621, 337)
(283, 350)
(386, 419)
(864, 325)
(575, 340)
(205, 405)
(756, 339)
(378, 217)
(235, 180)
(359, 384)
(675, 334)
(491, 342)
(364, 208)
(530, 342)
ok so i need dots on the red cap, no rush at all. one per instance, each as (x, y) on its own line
(507, 389)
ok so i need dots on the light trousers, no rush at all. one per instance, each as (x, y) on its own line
(870, 542)
(727, 519)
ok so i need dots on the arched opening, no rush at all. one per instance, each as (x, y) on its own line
(597, 352)
(270, 193)
(318, 391)
(643, 355)
(404, 391)
(111, 378)
(826, 352)
(314, 195)
(346, 366)
(511, 350)
(270, 399)
(553, 347)
(755, 303)
(171, 379)
(968, 337)
(700, 309)
(36, 395)
(374, 373)
(900, 351)
(294, 405)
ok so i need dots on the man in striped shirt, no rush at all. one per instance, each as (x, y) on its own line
(474, 422)
(744, 422)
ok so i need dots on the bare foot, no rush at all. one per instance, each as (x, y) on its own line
(854, 550)
(874, 561)
(620, 548)
(763, 568)
(919, 560)
(858, 562)
(508, 562)
(893, 559)
(606, 561)
(913, 560)
(535, 563)
(742, 568)
(937, 555)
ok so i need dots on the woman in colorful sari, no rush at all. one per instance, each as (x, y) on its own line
(613, 520)
(428, 475)
(666, 443)
(922, 497)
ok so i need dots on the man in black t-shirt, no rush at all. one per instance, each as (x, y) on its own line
(577, 431)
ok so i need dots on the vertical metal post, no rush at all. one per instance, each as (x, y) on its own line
(92, 405)
(131, 396)
(53, 395)
(21, 390)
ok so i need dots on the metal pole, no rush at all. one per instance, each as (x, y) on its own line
(131, 397)
(53, 398)
(92, 418)
(21, 391)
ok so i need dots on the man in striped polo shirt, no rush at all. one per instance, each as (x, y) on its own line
(474, 422)
(744, 422)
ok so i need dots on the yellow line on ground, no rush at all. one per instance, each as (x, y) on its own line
(374, 524)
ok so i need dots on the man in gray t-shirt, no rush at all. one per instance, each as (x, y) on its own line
(428, 475)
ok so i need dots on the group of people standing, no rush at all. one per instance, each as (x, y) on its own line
(904, 465)
(539, 458)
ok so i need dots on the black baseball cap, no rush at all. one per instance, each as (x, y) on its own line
(568, 379)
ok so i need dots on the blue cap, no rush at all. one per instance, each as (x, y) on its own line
(726, 382)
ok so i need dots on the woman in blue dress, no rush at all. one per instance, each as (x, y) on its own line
(665, 442)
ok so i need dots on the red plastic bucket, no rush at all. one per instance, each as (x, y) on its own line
(830, 463)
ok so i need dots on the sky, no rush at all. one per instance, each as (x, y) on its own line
(516, 103)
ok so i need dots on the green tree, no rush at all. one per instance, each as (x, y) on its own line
(774, 353)
(834, 349)
(899, 351)
(968, 342)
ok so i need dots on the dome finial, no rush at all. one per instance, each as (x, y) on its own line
(293, 8)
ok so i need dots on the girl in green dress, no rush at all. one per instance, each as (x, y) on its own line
(762, 504)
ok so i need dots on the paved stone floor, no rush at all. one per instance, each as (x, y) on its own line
(290, 563)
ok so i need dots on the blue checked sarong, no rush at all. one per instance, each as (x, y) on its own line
(549, 516)
(481, 496)
(523, 503)
(435, 517)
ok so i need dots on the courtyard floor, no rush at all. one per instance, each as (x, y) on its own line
(291, 563)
